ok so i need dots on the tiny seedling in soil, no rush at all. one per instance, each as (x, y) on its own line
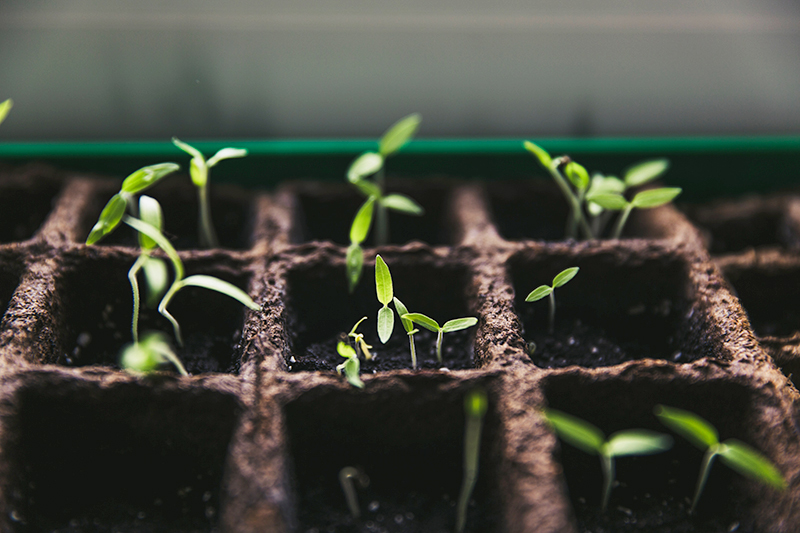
(736, 454)
(590, 439)
(199, 170)
(149, 353)
(562, 278)
(351, 367)
(385, 291)
(348, 477)
(457, 324)
(410, 330)
(5, 107)
(644, 200)
(475, 405)
(358, 340)
(378, 202)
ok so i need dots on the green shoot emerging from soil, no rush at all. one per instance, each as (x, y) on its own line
(736, 454)
(562, 278)
(644, 200)
(198, 170)
(359, 342)
(590, 439)
(5, 107)
(369, 164)
(410, 330)
(149, 353)
(475, 406)
(457, 324)
(347, 475)
(351, 367)
(383, 287)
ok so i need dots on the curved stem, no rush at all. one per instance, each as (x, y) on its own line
(162, 308)
(472, 445)
(607, 462)
(621, 222)
(132, 273)
(705, 468)
(575, 206)
(208, 236)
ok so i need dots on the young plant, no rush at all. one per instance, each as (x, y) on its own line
(475, 406)
(736, 454)
(359, 342)
(643, 200)
(5, 107)
(351, 367)
(562, 278)
(348, 477)
(383, 287)
(369, 164)
(198, 170)
(590, 439)
(408, 325)
(457, 324)
(149, 353)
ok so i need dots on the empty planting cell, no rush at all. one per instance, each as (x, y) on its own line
(654, 493)
(97, 305)
(615, 309)
(24, 208)
(125, 458)
(321, 311)
(326, 212)
(408, 442)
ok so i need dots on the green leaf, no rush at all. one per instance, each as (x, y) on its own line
(538, 293)
(399, 134)
(109, 219)
(540, 153)
(135, 357)
(198, 171)
(147, 176)
(688, 425)
(401, 203)
(383, 281)
(476, 403)
(612, 202)
(353, 331)
(150, 212)
(156, 279)
(606, 184)
(221, 286)
(751, 463)
(563, 277)
(385, 324)
(352, 368)
(575, 431)
(364, 165)
(345, 350)
(163, 243)
(645, 172)
(354, 262)
(226, 153)
(5, 107)
(188, 148)
(637, 442)
(408, 325)
(368, 189)
(655, 197)
(577, 174)
(457, 324)
(362, 222)
(424, 321)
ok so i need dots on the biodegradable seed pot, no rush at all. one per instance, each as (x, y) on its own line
(686, 310)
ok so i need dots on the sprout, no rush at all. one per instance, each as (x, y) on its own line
(148, 354)
(643, 200)
(544, 290)
(383, 287)
(408, 325)
(590, 439)
(5, 107)
(354, 259)
(346, 477)
(475, 405)
(351, 367)
(198, 170)
(358, 340)
(428, 323)
(736, 454)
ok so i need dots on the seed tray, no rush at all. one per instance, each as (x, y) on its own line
(254, 438)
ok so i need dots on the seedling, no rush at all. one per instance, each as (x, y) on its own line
(736, 454)
(475, 406)
(383, 287)
(198, 170)
(148, 354)
(410, 329)
(351, 367)
(5, 107)
(369, 164)
(590, 439)
(347, 475)
(561, 279)
(643, 200)
(457, 324)
(359, 342)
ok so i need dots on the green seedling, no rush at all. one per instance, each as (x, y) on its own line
(588, 438)
(383, 287)
(408, 325)
(198, 170)
(348, 476)
(643, 200)
(369, 164)
(736, 454)
(457, 324)
(148, 354)
(351, 367)
(475, 406)
(359, 342)
(5, 107)
(562, 278)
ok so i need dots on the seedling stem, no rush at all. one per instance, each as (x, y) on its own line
(562, 278)
(475, 405)
(347, 475)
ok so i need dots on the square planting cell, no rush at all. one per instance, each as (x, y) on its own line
(129, 458)
(321, 311)
(325, 212)
(24, 206)
(654, 493)
(96, 302)
(619, 307)
(408, 442)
